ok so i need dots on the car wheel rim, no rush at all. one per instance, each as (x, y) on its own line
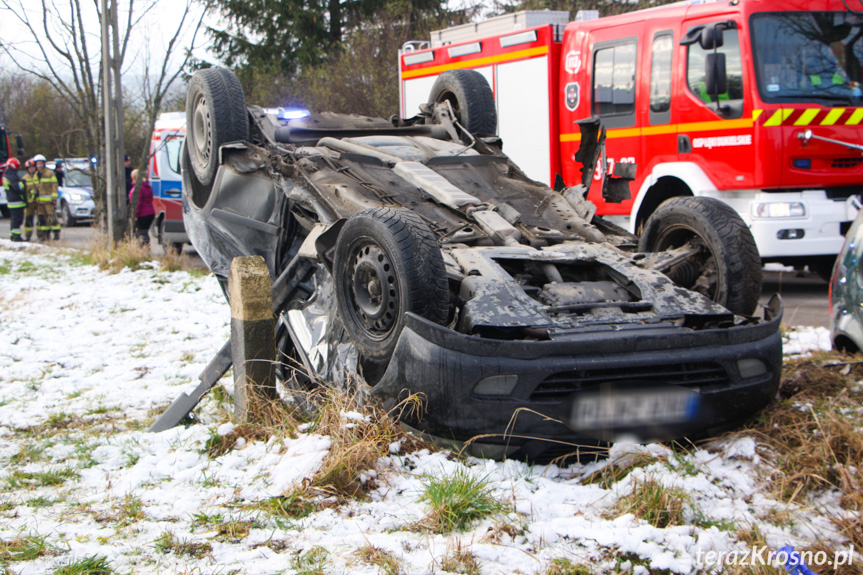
(699, 273)
(373, 289)
(201, 129)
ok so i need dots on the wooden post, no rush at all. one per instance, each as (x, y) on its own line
(253, 335)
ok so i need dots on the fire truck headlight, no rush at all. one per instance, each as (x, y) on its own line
(779, 210)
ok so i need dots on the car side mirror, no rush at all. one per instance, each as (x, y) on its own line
(715, 75)
(711, 37)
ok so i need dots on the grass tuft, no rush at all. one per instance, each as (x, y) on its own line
(23, 548)
(457, 501)
(388, 563)
(169, 543)
(294, 504)
(460, 560)
(94, 565)
(651, 501)
(32, 480)
(361, 434)
(563, 566)
(312, 562)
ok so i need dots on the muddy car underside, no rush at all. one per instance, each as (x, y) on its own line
(412, 257)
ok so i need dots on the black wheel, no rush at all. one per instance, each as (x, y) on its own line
(67, 220)
(823, 267)
(4, 211)
(215, 114)
(387, 262)
(471, 99)
(727, 268)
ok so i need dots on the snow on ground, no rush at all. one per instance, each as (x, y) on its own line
(802, 339)
(89, 358)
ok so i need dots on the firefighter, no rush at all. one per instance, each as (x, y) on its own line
(30, 197)
(46, 200)
(16, 196)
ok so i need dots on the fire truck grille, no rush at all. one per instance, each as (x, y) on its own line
(703, 375)
(841, 163)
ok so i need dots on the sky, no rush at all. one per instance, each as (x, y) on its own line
(88, 358)
(156, 23)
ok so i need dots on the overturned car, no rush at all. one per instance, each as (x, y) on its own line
(413, 257)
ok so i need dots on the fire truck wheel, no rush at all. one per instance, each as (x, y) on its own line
(215, 114)
(387, 262)
(471, 99)
(727, 267)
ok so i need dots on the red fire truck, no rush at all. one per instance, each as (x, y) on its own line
(757, 103)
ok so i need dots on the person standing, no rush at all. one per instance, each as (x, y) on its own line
(16, 197)
(145, 212)
(30, 197)
(46, 200)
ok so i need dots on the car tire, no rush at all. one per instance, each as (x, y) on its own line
(728, 270)
(387, 262)
(823, 267)
(66, 218)
(215, 114)
(471, 99)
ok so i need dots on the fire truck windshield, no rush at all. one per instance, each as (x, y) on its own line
(809, 57)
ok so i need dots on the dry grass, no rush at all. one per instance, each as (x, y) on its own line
(460, 560)
(815, 433)
(132, 254)
(387, 563)
(651, 501)
(361, 433)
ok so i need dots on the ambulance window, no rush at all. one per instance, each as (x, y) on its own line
(660, 78)
(614, 84)
(172, 150)
(732, 99)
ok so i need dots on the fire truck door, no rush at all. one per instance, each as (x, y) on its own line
(715, 130)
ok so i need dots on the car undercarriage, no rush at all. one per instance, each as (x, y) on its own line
(412, 257)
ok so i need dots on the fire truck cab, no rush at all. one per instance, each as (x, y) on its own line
(755, 103)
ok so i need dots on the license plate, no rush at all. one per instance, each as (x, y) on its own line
(631, 408)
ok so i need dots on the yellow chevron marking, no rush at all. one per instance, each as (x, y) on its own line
(855, 118)
(832, 116)
(806, 117)
(775, 119)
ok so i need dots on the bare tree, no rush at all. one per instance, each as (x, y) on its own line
(63, 49)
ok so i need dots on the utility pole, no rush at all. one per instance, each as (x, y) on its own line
(112, 95)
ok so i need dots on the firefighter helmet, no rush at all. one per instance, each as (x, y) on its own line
(13, 163)
(39, 158)
(29, 163)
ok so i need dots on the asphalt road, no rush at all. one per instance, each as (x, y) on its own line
(804, 294)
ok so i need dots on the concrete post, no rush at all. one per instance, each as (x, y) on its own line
(253, 345)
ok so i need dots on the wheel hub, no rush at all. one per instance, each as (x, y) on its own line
(374, 289)
(201, 129)
(699, 273)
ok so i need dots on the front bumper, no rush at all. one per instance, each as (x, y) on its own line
(535, 419)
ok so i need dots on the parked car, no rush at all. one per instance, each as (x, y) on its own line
(75, 202)
(413, 257)
(846, 292)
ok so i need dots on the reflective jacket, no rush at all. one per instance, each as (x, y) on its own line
(46, 185)
(16, 194)
(29, 185)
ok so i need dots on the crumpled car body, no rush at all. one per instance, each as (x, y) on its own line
(554, 331)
